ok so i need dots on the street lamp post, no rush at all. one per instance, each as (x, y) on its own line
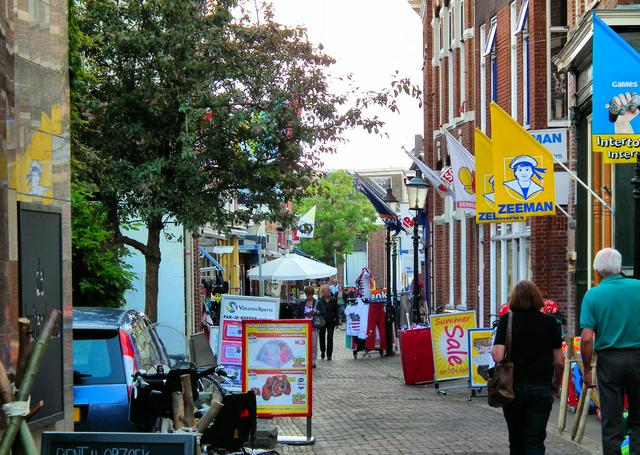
(394, 279)
(417, 189)
(635, 181)
(388, 310)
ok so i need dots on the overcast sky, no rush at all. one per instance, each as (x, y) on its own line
(370, 39)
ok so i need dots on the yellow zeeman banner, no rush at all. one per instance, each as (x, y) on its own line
(523, 169)
(485, 194)
(450, 341)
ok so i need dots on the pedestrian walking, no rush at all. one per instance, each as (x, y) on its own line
(307, 308)
(536, 346)
(611, 311)
(331, 319)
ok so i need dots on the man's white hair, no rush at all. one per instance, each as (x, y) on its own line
(608, 262)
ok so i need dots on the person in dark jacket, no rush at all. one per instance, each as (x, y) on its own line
(331, 318)
(307, 308)
(536, 347)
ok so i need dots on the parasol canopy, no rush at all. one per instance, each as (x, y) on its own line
(292, 267)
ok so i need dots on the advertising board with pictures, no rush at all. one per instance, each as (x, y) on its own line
(480, 360)
(233, 310)
(276, 365)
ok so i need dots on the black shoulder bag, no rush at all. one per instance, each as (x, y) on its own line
(500, 385)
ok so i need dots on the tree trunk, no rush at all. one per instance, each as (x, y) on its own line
(152, 261)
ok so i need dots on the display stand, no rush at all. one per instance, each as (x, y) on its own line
(299, 440)
(416, 355)
(449, 339)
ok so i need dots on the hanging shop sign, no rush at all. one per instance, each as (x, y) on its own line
(486, 211)
(480, 360)
(554, 140)
(276, 365)
(616, 103)
(449, 338)
(233, 310)
(523, 169)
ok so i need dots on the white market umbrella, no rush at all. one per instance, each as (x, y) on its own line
(292, 267)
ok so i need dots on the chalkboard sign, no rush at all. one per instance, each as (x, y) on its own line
(54, 443)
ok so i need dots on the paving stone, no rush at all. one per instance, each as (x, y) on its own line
(363, 407)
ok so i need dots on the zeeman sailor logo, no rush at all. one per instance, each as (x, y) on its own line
(526, 175)
(524, 181)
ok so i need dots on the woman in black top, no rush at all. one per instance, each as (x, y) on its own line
(331, 319)
(307, 308)
(536, 346)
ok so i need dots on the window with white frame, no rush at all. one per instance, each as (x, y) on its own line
(521, 27)
(461, 18)
(558, 104)
(489, 51)
(450, 27)
(436, 38)
(34, 11)
(443, 30)
(450, 66)
(463, 80)
(483, 80)
(510, 259)
(514, 59)
(383, 182)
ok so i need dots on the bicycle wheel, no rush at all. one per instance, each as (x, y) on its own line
(210, 390)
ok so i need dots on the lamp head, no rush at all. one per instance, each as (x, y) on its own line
(390, 199)
(417, 190)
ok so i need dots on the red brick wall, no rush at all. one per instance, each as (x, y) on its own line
(548, 234)
(377, 257)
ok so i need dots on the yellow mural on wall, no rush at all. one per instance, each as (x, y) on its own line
(32, 175)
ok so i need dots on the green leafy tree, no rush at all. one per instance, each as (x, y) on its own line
(342, 216)
(192, 105)
(100, 277)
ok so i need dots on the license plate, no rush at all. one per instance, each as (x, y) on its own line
(76, 415)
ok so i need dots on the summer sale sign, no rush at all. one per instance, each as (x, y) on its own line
(276, 365)
(450, 341)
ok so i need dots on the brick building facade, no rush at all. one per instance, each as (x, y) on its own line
(475, 53)
(531, 57)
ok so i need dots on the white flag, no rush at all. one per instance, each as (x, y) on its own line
(463, 165)
(431, 175)
(307, 224)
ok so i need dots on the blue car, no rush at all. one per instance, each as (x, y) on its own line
(109, 346)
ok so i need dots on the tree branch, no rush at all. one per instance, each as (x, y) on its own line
(131, 242)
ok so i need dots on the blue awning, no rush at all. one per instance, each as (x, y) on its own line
(215, 263)
(299, 252)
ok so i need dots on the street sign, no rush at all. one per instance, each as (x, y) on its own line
(115, 443)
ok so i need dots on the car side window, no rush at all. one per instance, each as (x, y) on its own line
(144, 348)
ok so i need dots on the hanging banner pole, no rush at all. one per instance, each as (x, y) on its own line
(586, 187)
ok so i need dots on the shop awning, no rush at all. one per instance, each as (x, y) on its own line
(215, 263)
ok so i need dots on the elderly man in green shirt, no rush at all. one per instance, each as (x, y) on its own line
(611, 311)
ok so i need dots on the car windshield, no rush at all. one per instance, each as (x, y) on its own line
(97, 358)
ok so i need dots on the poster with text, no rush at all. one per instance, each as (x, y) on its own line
(616, 103)
(449, 338)
(233, 310)
(276, 365)
(480, 360)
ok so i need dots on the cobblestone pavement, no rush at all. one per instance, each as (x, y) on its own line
(363, 407)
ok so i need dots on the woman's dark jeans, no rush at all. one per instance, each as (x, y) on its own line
(527, 417)
(326, 334)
